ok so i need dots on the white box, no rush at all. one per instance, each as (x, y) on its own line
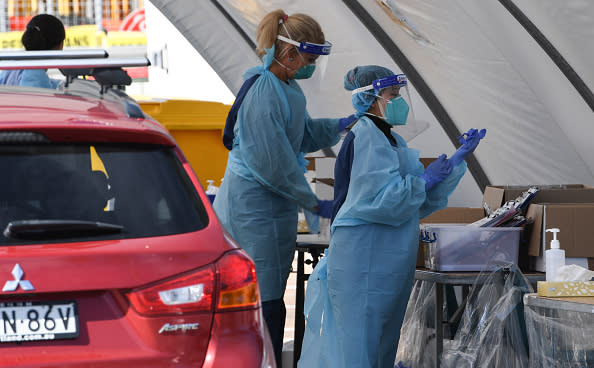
(325, 167)
(324, 190)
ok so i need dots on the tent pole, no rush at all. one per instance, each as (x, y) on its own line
(552, 52)
(235, 25)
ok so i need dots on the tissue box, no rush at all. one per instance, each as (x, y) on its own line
(565, 288)
(467, 248)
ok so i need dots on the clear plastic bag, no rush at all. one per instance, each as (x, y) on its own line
(417, 338)
(319, 342)
(560, 338)
(492, 332)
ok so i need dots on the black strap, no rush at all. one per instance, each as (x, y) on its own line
(228, 135)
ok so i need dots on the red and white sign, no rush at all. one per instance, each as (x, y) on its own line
(134, 21)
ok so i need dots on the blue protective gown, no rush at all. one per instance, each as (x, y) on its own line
(11, 77)
(264, 184)
(38, 78)
(28, 78)
(357, 295)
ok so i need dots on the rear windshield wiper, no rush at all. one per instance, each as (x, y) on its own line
(51, 229)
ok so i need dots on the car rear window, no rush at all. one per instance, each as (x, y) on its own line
(142, 188)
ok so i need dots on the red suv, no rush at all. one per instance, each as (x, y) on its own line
(110, 253)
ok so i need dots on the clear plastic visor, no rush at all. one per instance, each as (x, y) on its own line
(321, 51)
(414, 126)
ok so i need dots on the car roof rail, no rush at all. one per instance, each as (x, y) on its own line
(107, 72)
(54, 54)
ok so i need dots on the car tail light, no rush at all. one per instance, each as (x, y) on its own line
(230, 282)
(192, 292)
(237, 281)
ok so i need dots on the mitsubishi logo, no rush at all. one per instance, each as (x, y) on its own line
(18, 274)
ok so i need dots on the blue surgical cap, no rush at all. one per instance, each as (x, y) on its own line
(362, 76)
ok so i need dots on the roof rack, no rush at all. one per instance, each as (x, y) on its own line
(107, 72)
(53, 54)
(92, 63)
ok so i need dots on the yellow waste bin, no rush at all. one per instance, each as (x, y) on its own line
(198, 127)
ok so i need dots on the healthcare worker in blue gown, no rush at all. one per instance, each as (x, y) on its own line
(357, 294)
(264, 184)
(43, 32)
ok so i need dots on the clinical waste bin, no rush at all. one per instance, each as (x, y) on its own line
(198, 127)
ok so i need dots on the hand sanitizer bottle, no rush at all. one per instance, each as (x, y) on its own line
(211, 190)
(554, 257)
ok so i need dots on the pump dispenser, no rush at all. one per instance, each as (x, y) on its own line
(211, 190)
(554, 257)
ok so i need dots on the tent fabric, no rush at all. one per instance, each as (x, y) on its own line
(509, 66)
(569, 26)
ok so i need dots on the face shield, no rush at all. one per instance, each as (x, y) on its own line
(320, 51)
(398, 111)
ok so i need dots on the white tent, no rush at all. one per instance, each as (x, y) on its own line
(520, 68)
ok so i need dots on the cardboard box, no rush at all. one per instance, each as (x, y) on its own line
(427, 160)
(496, 195)
(569, 207)
(576, 222)
(449, 215)
(565, 288)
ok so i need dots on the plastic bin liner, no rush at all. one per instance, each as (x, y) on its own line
(560, 338)
(492, 332)
(417, 340)
(319, 346)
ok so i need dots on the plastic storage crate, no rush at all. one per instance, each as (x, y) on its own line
(455, 247)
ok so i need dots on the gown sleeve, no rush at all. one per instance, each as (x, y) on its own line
(319, 133)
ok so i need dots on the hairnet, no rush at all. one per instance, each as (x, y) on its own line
(362, 76)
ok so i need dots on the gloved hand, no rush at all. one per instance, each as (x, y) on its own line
(302, 161)
(324, 208)
(345, 122)
(469, 142)
(437, 171)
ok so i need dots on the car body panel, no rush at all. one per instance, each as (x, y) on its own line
(72, 118)
(100, 275)
(123, 263)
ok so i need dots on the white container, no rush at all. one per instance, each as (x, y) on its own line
(458, 247)
(554, 257)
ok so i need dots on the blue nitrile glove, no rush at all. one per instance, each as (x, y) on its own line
(302, 161)
(437, 171)
(345, 122)
(324, 208)
(313, 221)
(469, 142)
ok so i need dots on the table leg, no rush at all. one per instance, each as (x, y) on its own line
(438, 323)
(299, 317)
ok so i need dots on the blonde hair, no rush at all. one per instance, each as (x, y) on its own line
(301, 28)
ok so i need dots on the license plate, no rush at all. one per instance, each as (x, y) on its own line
(37, 321)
